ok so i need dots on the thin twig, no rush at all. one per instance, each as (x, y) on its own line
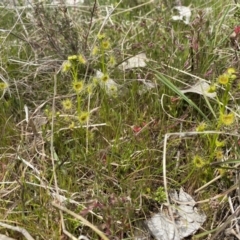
(87, 126)
(207, 184)
(52, 136)
(91, 22)
(83, 220)
(18, 229)
(4, 237)
(223, 227)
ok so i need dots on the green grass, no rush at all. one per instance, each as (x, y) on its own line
(113, 170)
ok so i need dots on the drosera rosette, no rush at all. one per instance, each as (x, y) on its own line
(95, 50)
(212, 89)
(81, 59)
(232, 73)
(73, 64)
(198, 162)
(73, 59)
(220, 144)
(83, 117)
(112, 61)
(102, 53)
(227, 119)
(78, 86)
(105, 44)
(219, 154)
(4, 87)
(101, 36)
(105, 78)
(227, 77)
(223, 79)
(106, 83)
(67, 105)
(201, 127)
(66, 66)
(226, 81)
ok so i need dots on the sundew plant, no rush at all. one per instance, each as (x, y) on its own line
(107, 107)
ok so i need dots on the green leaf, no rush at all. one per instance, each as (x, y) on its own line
(175, 89)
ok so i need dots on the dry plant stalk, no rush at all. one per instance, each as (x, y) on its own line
(18, 229)
(83, 220)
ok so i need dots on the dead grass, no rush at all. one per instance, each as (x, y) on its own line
(100, 177)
